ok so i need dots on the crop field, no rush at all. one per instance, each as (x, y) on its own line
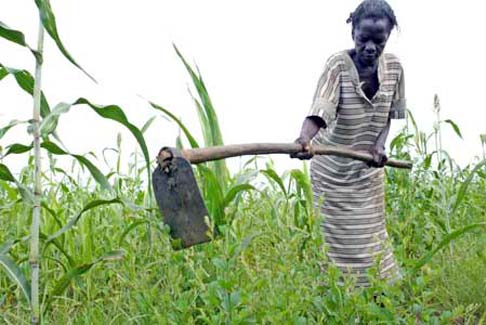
(105, 256)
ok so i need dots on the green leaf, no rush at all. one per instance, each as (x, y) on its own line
(13, 123)
(272, 175)
(464, 186)
(213, 194)
(26, 82)
(235, 190)
(12, 35)
(114, 255)
(63, 283)
(115, 113)
(129, 229)
(303, 183)
(5, 248)
(17, 148)
(455, 127)
(208, 120)
(49, 21)
(49, 123)
(148, 124)
(244, 244)
(95, 172)
(5, 174)
(71, 223)
(190, 138)
(15, 274)
(444, 242)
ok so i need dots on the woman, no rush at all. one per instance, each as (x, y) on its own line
(358, 94)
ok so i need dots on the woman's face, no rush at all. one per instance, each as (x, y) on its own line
(370, 36)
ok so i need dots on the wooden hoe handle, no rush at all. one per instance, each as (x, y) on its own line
(200, 155)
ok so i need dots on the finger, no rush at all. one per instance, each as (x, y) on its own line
(310, 149)
(303, 156)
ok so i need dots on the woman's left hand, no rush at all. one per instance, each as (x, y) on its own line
(379, 157)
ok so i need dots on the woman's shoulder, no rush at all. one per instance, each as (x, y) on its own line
(392, 59)
(337, 60)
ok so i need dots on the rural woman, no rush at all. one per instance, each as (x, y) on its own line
(358, 93)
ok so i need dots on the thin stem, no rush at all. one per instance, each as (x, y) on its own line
(36, 212)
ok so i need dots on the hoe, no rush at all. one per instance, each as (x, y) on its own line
(178, 195)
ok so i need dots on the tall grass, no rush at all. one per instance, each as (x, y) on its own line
(105, 255)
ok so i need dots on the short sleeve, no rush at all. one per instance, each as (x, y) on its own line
(398, 106)
(326, 97)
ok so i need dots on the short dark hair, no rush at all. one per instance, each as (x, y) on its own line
(373, 9)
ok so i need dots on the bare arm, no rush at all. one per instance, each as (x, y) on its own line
(310, 127)
(378, 150)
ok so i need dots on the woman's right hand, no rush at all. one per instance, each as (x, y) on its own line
(307, 152)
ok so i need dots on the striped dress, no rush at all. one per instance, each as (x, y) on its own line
(349, 194)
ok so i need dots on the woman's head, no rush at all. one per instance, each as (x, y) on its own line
(372, 22)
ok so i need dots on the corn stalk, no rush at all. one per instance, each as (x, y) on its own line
(483, 144)
(36, 211)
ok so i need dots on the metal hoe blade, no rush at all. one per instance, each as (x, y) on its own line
(180, 201)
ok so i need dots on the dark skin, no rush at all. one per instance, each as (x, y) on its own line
(370, 37)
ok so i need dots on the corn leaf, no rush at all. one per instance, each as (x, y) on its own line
(13, 123)
(5, 174)
(95, 172)
(273, 176)
(26, 82)
(17, 148)
(12, 35)
(115, 113)
(49, 22)
(213, 194)
(49, 123)
(234, 191)
(208, 120)
(188, 134)
(15, 274)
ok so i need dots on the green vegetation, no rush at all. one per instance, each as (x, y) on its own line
(106, 257)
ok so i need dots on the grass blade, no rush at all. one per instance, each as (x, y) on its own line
(63, 283)
(49, 22)
(444, 242)
(462, 191)
(71, 223)
(455, 127)
(148, 124)
(16, 275)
